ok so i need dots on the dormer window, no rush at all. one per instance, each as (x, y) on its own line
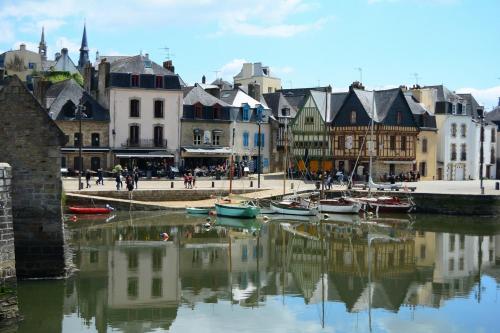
(399, 117)
(147, 64)
(246, 113)
(453, 109)
(353, 117)
(159, 82)
(198, 110)
(217, 111)
(260, 113)
(135, 80)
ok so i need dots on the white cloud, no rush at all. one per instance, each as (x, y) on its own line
(29, 46)
(276, 71)
(487, 97)
(7, 32)
(230, 69)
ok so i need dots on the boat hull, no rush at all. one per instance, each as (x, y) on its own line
(339, 207)
(89, 210)
(242, 211)
(386, 206)
(284, 209)
(195, 210)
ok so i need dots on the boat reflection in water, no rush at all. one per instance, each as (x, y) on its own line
(351, 272)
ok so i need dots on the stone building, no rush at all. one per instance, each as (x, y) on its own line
(22, 63)
(61, 100)
(30, 141)
(257, 80)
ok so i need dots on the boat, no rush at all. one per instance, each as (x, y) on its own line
(91, 210)
(242, 210)
(197, 210)
(340, 205)
(290, 207)
(385, 204)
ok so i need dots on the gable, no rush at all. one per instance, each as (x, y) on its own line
(343, 116)
(308, 118)
(399, 105)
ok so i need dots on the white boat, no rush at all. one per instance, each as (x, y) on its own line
(340, 205)
(292, 208)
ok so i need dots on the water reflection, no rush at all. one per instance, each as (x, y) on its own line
(132, 281)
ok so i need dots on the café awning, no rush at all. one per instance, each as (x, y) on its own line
(206, 152)
(136, 155)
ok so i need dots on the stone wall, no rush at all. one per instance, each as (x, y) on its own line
(30, 142)
(70, 127)
(8, 295)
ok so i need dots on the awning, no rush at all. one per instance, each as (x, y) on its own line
(145, 155)
(206, 152)
(400, 162)
(93, 150)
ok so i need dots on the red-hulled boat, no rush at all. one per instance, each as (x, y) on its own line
(90, 210)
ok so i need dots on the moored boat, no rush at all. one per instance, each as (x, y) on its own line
(90, 210)
(244, 210)
(197, 210)
(292, 208)
(386, 204)
(340, 205)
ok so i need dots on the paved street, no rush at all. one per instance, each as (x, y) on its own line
(459, 187)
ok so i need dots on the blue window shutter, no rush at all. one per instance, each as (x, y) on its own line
(245, 139)
(256, 139)
(263, 141)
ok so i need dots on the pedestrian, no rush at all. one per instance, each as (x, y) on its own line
(118, 181)
(190, 180)
(194, 180)
(185, 180)
(130, 183)
(100, 177)
(136, 177)
(87, 178)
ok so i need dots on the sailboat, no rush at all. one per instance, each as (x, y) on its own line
(390, 204)
(242, 209)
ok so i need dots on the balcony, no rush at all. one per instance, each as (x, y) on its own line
(145, 143)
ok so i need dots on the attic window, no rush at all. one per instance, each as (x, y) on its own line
(159, 81)
(135, 80)
(353, 117)
(147, 64)
(399, 117)
(198, 110)
(217, 111)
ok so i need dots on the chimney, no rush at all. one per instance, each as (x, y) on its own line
(146, 56)
(57, 55)
(254, 91)
(88, 76)
(22, 47)
(64, 51)
(103, 82)
(168, 65)
(356, 85)
(203, 79)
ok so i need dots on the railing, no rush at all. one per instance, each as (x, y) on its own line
(145, 143)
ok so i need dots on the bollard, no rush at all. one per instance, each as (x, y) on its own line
(213, 184)
(251, 183)
(171, 184)
(291, 186)
(497, 186)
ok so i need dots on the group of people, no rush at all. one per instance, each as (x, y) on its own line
(131, 179)
(189, 180)
(100, 177)
(409, 176)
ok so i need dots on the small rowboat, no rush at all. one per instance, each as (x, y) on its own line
(196, 210)
(292, 208)
(90, 210)
(242, 210)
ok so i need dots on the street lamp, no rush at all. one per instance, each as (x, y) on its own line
(79, 108)
(480, 113)
(259, 122)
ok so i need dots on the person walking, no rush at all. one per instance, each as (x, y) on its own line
(100, 178)
(87, 178)
(118, 181)
(136, 177)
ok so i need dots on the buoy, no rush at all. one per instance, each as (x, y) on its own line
(74, 218)
(164, 236)
(266, 218)
(325, 216)
(212, 213)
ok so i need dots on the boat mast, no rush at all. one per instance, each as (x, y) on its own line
(322, 194)
(231, 165)
(371, 148)
(285, 168)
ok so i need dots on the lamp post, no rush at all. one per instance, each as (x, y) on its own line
(259, 121)
(80, 107)
(480, 113)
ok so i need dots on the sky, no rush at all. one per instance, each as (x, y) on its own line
(306, 43)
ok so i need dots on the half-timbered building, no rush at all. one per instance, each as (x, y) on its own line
(393, 144)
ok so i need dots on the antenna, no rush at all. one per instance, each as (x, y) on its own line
(290, 83)
(360, 74)
(168, 55)
(416, 76)
(216, 74)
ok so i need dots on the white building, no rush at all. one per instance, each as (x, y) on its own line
(145, 105)
(459, 128)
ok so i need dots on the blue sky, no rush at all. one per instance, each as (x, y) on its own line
(306, 43)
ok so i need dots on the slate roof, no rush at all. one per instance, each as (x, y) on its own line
(444, 94)
(379, 108)
(196, 94)
(224, 85)
(324, 108)
(69, 90)
(423, 117)
(337, 99)
(110, 59)
(493, 115)
(277, 102)
(136, 65)
(296, 97)
(64, 63)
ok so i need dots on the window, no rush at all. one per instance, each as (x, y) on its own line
(159, 81)
(245, 139)
(392, 142)
(95, 139)
(463, 152)
(216, 136)
(32, 65)
(244, 253)
(463, 130)
(197, 137)
(399, 117)
(461, 264)
(76, 139)
(492, 155)
(424, 145)
(260, 113)
(69, 110)
(246, 113)
(158, 136)
(462, 242)
(451, 264)
(464, 109)
(423, 169)
(157, 262)
(493, 135)
(156, 287)
(452, 243)
(132, 287)
(94, 256)
(133, 260)
(133, 138)
(158, 109)
(198, 110)
(217, 111)
(95, 163)
(134, 108)
(453, 130)
(341, 142)
(309, 121)
(135, 80)
(88, 111)
(453, 152)
(454, 109)
(422, 251)
(256, 139)
(403, 143)
(353, 117)
(360, 142)
(63, 162)
(78, 163)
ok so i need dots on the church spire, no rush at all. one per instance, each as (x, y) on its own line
(42, 47)
(84, 50)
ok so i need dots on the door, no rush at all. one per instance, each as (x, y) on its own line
(459, 172)
(95, 163)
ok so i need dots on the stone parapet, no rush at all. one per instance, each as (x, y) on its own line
(8, 294)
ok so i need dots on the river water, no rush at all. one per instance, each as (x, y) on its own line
(404, 274)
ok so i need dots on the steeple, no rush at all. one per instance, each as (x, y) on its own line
(84, 50)
(42, 47)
